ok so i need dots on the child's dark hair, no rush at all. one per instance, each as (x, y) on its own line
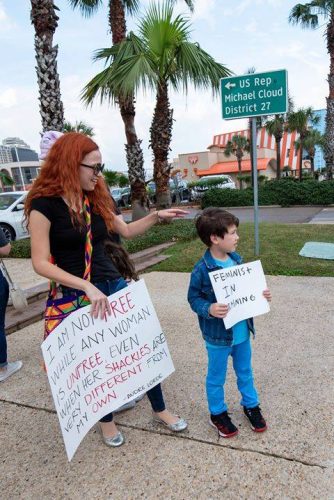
(214, 220)
(121, 259)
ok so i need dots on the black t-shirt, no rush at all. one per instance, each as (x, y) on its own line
(67, 242)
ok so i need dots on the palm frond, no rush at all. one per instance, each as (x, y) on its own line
(307, 15)
(86, 7)
(197, 67)
(5, 179)
(131, 6)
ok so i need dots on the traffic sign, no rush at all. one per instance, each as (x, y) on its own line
(255, 94)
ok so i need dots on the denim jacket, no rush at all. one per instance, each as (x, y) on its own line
(201, 296)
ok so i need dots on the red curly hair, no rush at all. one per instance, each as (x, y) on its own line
(59, 176)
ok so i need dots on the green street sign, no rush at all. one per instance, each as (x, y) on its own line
(255, 94)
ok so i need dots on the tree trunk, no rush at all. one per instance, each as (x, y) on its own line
(160, 139)
(329, 133)
(45, 21)
(134, 152)
(301, 139)
(278, 157)
(239, 159)
(312, 165)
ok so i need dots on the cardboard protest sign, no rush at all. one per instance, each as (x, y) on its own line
(241, 287)
(95, 366)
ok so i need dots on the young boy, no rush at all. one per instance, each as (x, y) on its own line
(217, 228)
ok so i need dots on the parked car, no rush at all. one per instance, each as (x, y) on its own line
(126, 196)
(227, 183)
(11, 215)
(179, 191)
(122, 196)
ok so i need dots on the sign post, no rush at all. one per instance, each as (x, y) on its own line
(252, 95)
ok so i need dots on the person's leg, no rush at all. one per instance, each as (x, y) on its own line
(108, 427)
(216, 376)
(3, 304)
(156, 399)
(161, 414)
(6, 368)
(215, 380)
(242, 364)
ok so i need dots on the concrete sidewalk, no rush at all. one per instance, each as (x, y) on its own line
(325, 216)
(294, 369)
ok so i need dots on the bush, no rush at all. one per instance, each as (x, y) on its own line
(285, 192)
(21, 249)
(180, 230)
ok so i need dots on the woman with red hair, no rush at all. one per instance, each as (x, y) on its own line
(56, 208)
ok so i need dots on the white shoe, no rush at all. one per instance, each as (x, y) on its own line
(10, 368)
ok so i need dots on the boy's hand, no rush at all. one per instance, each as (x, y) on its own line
(267, 294)
(218, 310)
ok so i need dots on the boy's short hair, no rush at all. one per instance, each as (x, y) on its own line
(214, 220)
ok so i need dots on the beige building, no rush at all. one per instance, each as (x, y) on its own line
(192, 166)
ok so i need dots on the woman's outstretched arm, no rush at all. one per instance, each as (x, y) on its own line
(140, 226)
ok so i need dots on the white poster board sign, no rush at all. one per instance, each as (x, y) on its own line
(241, 287)
(95, 366)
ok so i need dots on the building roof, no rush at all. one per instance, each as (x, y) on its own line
(231, 167)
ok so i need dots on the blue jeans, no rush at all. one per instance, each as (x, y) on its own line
(4, 293)
(216, 376)
(155, 396)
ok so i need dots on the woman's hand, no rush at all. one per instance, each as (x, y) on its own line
(267, 294)
(100, 303)
(171, 213)
(218, 310)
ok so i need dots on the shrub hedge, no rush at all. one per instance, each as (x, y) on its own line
(179, 230)
(285, 192)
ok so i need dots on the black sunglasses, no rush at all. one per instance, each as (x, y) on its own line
(97, 167)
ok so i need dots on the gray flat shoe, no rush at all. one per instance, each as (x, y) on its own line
(179, 426)
(115, 441)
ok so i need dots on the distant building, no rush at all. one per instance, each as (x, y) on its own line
(5, 154)
(23, 154)
(15, 142)
(213, 162)
(20, 162)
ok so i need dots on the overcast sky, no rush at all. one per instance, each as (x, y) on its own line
(238, 33)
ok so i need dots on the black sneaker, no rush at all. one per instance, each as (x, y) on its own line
(254, 415)
(224, 425)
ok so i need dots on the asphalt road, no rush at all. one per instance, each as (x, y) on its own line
(288, 215)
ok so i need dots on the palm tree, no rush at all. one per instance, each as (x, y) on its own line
(43, 17)
(300, 121)
(5, 179)
(134, 153)
(80, 127)
(308, 16)
(111, 177)
(238, 146)
(275, 127)
(161, 56)
(313, 138)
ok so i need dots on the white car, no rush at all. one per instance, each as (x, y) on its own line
(11, 215)
(228, 181)
(198, 191)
